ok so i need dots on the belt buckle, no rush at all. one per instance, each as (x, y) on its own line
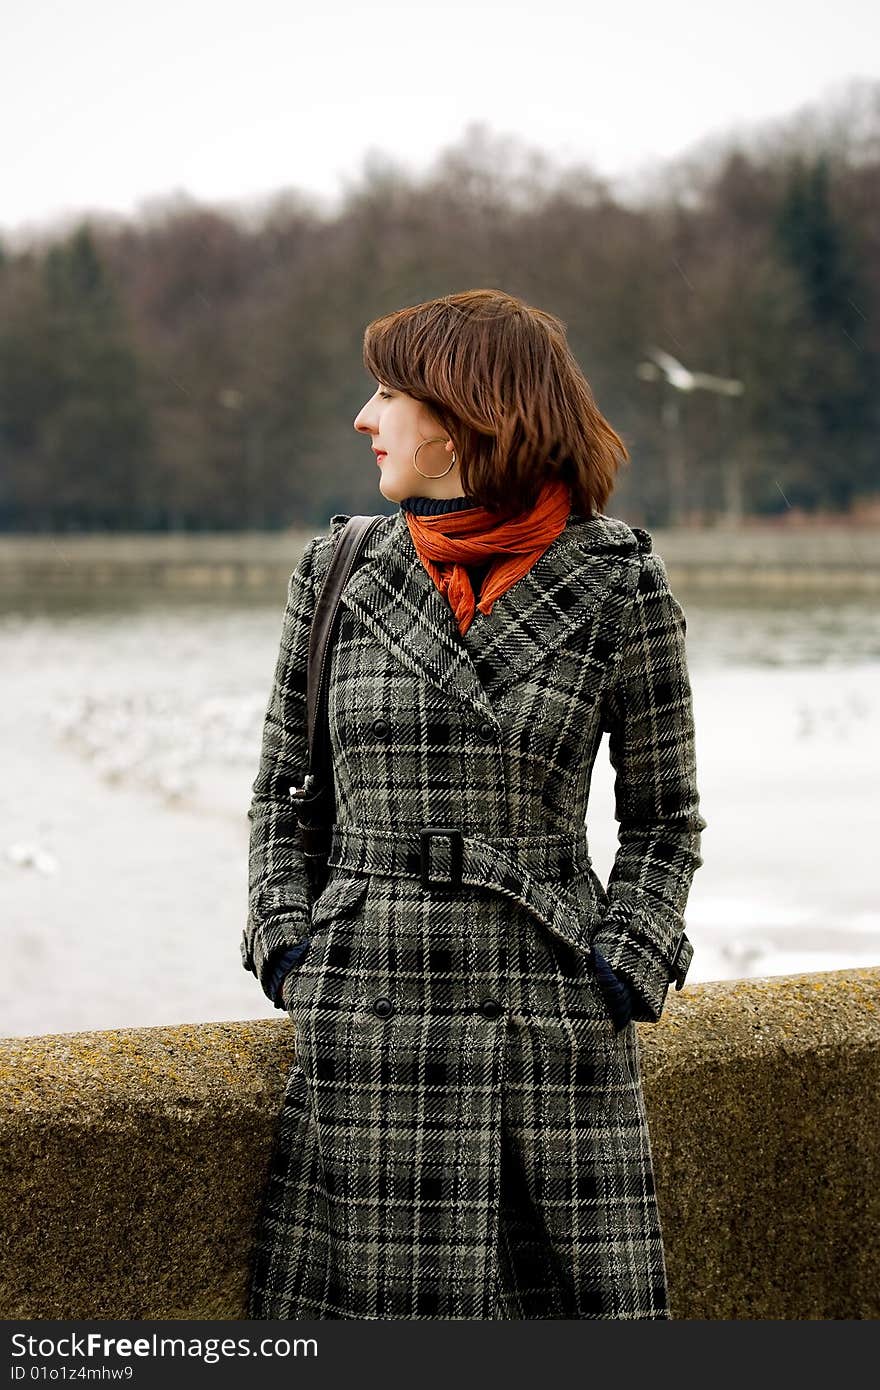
(456, 854)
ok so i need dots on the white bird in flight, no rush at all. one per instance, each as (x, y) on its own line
(684, 380)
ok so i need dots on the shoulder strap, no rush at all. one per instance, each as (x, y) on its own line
(348, 553)
(315, 798)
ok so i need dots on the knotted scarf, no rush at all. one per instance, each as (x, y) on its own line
(450, 541)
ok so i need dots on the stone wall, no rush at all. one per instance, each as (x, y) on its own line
(133, 1160)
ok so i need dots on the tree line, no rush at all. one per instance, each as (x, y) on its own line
(198, 369)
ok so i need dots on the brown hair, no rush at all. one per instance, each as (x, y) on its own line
(502, 380)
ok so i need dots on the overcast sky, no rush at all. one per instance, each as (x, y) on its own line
(104, 106)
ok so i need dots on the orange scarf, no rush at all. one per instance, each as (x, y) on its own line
(452, 540)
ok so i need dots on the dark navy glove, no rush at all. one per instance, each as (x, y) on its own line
(617, 994)
(283, 966)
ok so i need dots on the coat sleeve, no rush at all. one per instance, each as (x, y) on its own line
(279, 896)
(648, 712)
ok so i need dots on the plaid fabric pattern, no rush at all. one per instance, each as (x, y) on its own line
(463, 1131)
(648, 712)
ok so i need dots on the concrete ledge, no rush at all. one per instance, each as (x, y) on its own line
(133, 1160)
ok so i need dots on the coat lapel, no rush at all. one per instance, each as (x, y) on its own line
(392, 593)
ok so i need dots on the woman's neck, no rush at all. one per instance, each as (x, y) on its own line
(435, 506)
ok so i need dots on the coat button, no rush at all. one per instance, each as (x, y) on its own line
(381, 728)
(383, 1007)
(490, 1008)
(487, 730)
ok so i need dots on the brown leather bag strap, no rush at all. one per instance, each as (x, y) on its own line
(315, 797)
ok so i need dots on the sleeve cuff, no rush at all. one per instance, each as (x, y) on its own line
(261, 951)
(632, 953)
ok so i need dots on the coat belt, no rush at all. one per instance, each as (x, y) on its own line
(525, 869)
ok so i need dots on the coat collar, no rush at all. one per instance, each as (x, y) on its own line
(392, 593)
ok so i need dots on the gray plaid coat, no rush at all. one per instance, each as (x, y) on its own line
(463, 1133)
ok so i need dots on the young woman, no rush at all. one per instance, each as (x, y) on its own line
(463, 1131)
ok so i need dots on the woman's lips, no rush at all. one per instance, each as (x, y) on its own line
(380, 456)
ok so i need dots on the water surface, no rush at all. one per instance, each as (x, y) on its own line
(130, 741)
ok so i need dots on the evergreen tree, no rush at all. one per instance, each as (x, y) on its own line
(825, 408)
(95, 434)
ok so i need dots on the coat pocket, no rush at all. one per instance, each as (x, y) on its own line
(585, 896)
(341, 897)
(289, 983)
(579, 986)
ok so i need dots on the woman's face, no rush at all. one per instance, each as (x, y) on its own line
(397, 424)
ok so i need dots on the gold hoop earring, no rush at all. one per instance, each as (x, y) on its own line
(433, 440)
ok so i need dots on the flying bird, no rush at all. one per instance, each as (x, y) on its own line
(684, 380)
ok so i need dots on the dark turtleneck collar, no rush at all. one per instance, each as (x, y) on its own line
(435, 506)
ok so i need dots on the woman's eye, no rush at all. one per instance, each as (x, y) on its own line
(386, 395)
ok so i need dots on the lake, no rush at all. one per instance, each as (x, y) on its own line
(131, 739)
